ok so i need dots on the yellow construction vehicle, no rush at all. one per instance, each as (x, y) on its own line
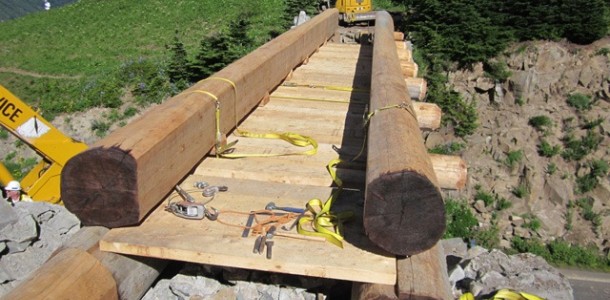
(54, 148)
(352, 11)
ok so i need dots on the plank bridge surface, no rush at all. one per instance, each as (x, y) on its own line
(323, 99)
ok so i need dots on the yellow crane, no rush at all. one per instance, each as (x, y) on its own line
(42, 183)
(351, 11)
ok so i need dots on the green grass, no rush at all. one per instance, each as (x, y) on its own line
(580, 102)
(91, 36)
(513, 158)
(562, 253)
(461, 222)
(451, 148)
(87, 42)
(541, 123)
(547, 150)
(520, 191)
(18, 167)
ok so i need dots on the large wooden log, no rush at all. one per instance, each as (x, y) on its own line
(404, 211)
(428, 115)
(417, 87)
(71, 274)
(409, 69)
(451, 171)
(121, 178)
(423, 276)
(132, 276)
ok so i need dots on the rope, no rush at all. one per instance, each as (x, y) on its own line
(367, 117)
(262, 224)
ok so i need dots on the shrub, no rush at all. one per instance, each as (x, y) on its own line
(130, 112)
(503, 204)
(602, 52)
(498, 70)
(513, 157)
(458, 112)
(560, 252)
(533, 246)
(149, 80)
(541, 123)
(460, 219)
(532, 222)
(520, 101)
(488, 238)
(592, 124)
(586, 206)
(487, 198)
(448, 149)
(99, 127)
(580, 102)
(575, 149)
(588, 182)
(3, 134)
(545, 149)
(569, 215)
(520, 191)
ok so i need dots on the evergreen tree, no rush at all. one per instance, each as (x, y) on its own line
(211, 57)
(293, 7)
(458, 30)
(584, 21)
(240, 43)
(178, 69)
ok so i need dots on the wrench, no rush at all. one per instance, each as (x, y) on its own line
(272, 206)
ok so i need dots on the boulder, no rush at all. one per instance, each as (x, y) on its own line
(40, 229)
(490, 271)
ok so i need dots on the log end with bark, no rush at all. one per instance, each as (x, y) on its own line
(99, 185)
(404, 213)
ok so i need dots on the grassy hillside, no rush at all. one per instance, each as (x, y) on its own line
(11, 9)
(54, 54)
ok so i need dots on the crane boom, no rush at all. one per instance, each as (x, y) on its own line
(42, 182)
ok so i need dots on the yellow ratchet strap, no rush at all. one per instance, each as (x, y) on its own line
(505, 294)
(326, 223)
(226, 151)
(367, 117)
(217, 145)
(292, 138)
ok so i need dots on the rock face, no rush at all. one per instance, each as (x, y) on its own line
(37, 230)
(207, 282)
(484, 272)
(544, 75)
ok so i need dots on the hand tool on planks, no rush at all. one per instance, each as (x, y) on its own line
(265, 240)
(300, 211)
(189, 209)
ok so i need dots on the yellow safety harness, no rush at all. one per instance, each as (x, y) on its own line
(226, 151)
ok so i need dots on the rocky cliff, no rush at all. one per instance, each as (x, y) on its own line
(504, 155)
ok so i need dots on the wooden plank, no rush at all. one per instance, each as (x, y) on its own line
(404, 211)
(166, 236)
(359, 81)
(124, 176)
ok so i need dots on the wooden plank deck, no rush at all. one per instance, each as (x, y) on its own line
(333, 117)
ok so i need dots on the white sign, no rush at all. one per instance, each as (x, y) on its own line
(32, 128)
